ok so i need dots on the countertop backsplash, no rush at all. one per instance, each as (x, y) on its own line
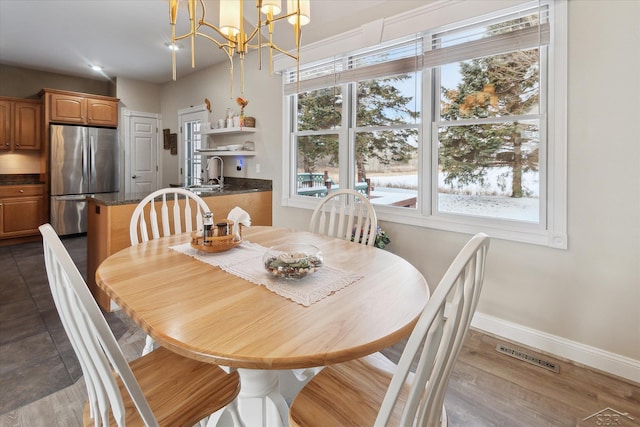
(20, 179)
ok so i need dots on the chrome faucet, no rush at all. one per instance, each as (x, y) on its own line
(220, 178)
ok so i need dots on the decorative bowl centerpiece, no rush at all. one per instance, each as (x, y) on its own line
(293, 260)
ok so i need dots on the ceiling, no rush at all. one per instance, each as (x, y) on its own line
(127, 37)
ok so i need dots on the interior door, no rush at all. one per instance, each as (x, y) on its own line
(141, 161)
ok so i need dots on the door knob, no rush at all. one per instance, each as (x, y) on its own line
(134, 176)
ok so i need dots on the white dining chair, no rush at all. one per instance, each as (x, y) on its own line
(174, 218)
(345, 214)
(373, 391)
(159, 389)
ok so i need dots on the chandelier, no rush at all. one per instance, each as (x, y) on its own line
(231, 37)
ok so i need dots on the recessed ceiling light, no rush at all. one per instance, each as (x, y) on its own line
(96, 67)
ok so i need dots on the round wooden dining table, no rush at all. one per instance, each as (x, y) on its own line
(205, 313)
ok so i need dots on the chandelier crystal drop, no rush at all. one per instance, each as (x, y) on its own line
(231, 36)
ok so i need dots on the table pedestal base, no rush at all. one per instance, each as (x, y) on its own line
(259, 404)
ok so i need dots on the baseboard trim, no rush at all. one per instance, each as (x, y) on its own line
(596, 358)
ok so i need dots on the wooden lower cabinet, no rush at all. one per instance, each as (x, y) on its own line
(108, 228)
(21, 210)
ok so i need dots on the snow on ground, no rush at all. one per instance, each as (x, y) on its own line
(522, 209)
(490, 199)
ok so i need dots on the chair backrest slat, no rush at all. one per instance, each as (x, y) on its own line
(172, 214)
(345, 214)
(437, 339)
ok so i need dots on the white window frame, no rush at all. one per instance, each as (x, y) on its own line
(553, 233)
(185, 115)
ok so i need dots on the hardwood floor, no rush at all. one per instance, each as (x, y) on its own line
(487, 388)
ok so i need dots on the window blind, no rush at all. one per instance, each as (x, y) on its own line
(518, 31)
(525, 30)
(398, 58)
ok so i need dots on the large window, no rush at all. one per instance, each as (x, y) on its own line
(449, 128)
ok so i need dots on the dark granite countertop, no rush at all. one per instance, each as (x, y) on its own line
(231, 186)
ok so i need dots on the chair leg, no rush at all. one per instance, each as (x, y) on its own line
(149, 345)
(444, 420)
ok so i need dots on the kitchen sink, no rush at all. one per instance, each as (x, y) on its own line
(204, 187)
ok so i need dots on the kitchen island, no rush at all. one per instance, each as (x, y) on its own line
(109, 216)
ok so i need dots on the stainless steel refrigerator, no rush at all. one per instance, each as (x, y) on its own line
(84, 161)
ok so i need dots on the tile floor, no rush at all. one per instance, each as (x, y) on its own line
(36, 358)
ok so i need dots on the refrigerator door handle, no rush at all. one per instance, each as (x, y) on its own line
(71, 198)
(86, 152)
(92, 158)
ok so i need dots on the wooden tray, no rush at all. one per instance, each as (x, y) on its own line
(216, 243)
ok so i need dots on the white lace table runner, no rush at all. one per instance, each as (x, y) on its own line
(245, 261)
(242, 253)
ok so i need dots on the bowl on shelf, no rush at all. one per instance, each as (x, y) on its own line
(292, 260)
(234, 147)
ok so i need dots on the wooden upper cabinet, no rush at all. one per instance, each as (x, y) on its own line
(5, 124)
(80, 108)
(67, 108)
(102, 112)
(27, 126)
(20, 124)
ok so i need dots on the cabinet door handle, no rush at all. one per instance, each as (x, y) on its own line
(134, 176)
(6, 143)
(22, 191)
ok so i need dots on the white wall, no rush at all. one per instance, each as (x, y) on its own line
(582, 303)
(138, 96)
(264, 95)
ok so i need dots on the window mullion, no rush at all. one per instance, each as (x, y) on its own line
(429, 155)
(348, 137)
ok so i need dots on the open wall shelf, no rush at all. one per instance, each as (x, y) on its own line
(227, 131)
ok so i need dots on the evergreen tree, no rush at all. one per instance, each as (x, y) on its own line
(318, 109)
(496, 86)
(380, 103)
